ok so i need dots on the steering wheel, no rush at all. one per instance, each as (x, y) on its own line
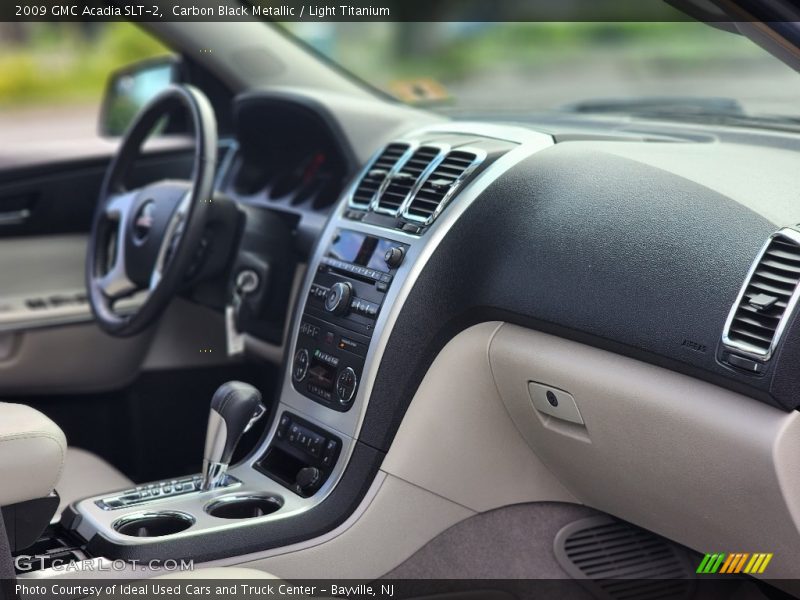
(144, 240)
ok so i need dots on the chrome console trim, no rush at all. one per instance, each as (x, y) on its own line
(345, 425)
(155, 514)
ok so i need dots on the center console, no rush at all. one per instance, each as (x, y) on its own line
(311, 470)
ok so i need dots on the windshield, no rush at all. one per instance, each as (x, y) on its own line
(517, 68)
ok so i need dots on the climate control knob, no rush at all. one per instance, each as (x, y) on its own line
(337, 300)
(346, 384)
(300, 365)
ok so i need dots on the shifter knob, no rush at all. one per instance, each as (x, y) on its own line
(235, 407)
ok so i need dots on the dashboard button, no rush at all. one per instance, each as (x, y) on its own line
(394, 257)
(329, 453)
(346, 384)
(300, 366)
(337, 300)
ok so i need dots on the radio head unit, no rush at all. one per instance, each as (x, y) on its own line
(344, 302)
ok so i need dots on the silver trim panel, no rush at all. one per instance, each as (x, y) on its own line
(17, 315)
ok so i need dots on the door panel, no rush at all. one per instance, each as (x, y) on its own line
(48, 341)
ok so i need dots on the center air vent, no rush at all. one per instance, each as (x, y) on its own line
(376, 174)
(403, 180)
(440, 185)
(767, 298)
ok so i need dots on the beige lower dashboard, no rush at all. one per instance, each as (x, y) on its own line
(701, 465)
(704, 466)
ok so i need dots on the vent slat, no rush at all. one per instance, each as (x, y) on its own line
(406, 178)
(627, 563)
(767, 319)
(759, 341)
(769, 288)
(373, 179)
(783, 255)
(782, 266)
(776, 276)
(754, 326)
(439, 184)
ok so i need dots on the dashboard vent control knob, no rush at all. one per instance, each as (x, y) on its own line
(394, 257)
(337, 300)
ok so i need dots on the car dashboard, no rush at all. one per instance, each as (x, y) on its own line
(653, 248)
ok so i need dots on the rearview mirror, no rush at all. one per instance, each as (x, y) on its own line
(130, 88)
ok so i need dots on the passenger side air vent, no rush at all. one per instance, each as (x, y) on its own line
(376, 174)
(766, 300)
(440, 185)
(403, 181)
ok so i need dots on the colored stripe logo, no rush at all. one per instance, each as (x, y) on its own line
(735, 562)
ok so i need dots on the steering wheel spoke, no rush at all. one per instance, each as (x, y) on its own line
(172, 238)
(119, 206)
(115, 283)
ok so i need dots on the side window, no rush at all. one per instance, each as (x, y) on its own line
(53, 75)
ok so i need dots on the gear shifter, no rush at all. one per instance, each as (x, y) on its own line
(235, 408)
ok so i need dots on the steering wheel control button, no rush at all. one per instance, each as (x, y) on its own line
(300, 366)
(247, 281)
(346, 384)
(337, 300)
(394, 257)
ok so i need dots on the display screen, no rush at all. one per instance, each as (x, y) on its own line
(360, 249)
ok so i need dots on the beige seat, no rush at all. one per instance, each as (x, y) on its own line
(86, 474)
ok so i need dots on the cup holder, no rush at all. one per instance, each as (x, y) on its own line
(154, 524)
(244, 507)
